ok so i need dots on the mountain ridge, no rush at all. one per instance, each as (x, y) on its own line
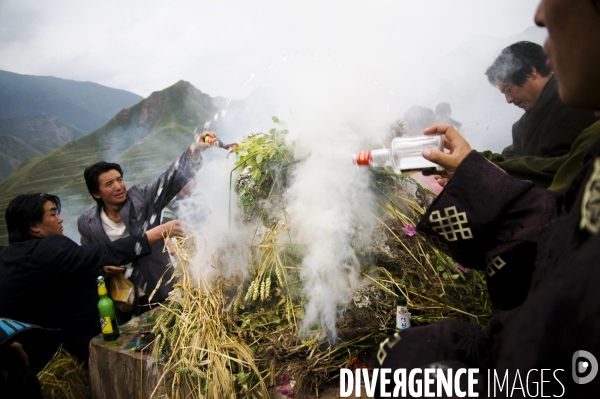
(144, 138)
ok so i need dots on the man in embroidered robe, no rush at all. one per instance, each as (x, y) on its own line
(521, 234)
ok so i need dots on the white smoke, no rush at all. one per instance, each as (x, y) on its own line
(328, 201)
(221, 238)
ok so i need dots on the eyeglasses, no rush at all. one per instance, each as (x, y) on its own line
(506, 89)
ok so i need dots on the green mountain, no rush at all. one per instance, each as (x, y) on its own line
(35, 135)
(85, 105)
(144, 139)
(12, 152)
(45, 132)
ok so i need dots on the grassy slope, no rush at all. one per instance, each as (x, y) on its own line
(144, 146)
(85, 105)
(12, 152)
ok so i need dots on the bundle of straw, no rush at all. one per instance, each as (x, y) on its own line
(64, 377)
(193, 336)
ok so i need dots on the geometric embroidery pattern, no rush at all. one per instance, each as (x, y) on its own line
(451, 225)
(494, 264)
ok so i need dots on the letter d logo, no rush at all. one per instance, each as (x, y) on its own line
(582, 366)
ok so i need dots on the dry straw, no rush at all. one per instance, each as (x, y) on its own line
(64, 378)
(240, 338)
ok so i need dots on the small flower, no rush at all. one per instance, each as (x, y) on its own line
(409, 230)
(461, 268)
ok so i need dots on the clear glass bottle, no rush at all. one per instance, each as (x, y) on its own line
(404, 154)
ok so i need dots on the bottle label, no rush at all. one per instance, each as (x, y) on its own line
(211, 141)
(402, 318)
(106, 325)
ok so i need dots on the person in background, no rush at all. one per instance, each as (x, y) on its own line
(48, 280)
(547, 134)
(17, 379)
(120, 212)
(538, 247)
(443, 114)
(416, 119)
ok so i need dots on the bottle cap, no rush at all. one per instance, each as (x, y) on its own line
(363, 158)
(101, 286)
(400, 300)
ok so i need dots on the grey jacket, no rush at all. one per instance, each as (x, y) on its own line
(142, 211)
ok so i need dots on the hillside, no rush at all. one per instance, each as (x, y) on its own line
(85, 105)
(12, 152)
(144, 139)
(47, 112)
(42, 133)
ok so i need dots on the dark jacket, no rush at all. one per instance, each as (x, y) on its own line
(549, 129)
(543, 138)
(142, 211)
(51, 282)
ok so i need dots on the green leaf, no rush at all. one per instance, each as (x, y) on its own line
(259, 158)
(256, 174)
(275, 119)
(243, 153)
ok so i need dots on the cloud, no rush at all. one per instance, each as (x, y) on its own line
(143, 46)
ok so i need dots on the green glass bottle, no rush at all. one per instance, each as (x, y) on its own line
(108, 320)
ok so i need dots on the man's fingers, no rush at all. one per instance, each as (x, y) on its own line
(204, 134)
(178, 228)
(113, 270)
(446, 161)
(447, 130)
(442, 181)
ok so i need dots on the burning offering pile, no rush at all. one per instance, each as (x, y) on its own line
(295, 312)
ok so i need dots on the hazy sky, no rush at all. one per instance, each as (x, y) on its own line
(228, 48)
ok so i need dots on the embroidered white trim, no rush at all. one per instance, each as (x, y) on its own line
(451, 225)
(494, 264)
(590, 205)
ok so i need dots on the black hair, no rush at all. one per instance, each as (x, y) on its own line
(25, 210)
(418, 118)
(93, 172)
(442, 107)
(514, 64)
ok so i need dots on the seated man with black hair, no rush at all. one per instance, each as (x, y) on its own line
(544, 136)
(48, 280)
